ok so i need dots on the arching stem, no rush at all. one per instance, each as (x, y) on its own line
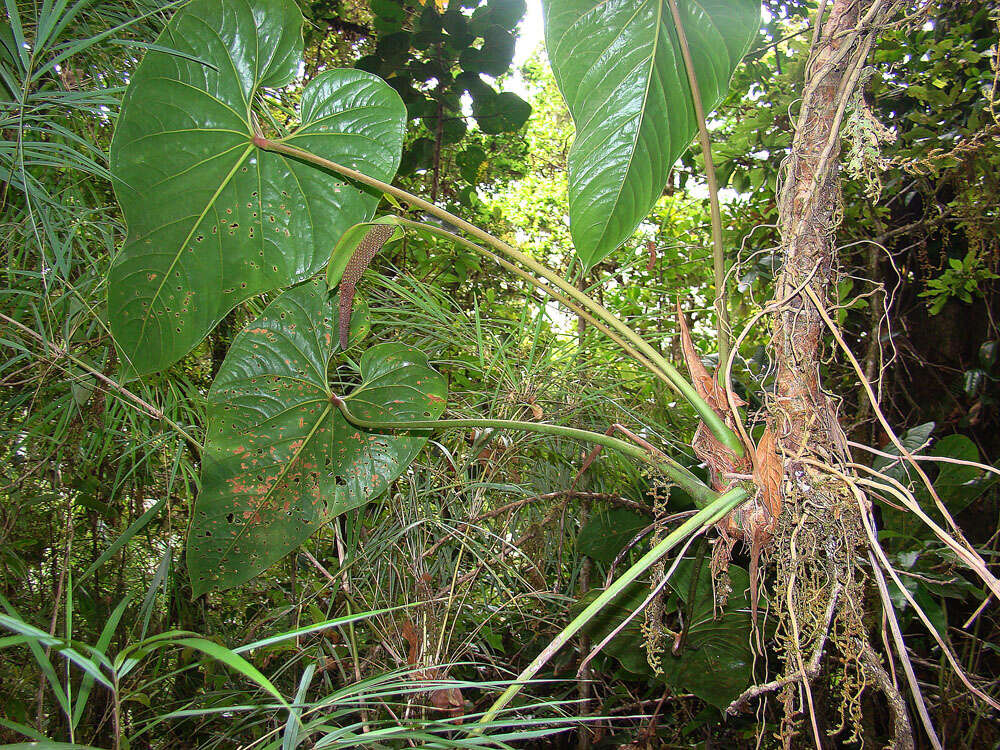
(703, 518)
(537, 283)
(717, 507)
(701, 493)
(718, 427)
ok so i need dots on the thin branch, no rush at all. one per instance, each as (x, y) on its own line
(117, 387)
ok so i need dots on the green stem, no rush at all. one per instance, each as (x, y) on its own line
(700, 493)
(715, 423)
(569, 304)
(718, 249)
(702, 519)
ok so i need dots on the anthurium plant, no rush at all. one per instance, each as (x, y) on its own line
(228, 196)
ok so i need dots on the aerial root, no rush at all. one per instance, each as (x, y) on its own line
(810, 672)
(819, 591)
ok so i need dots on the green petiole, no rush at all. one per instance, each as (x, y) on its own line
(715, 423)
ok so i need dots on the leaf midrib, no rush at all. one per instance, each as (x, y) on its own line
(281, 475)
(190, 234)
(641, 115)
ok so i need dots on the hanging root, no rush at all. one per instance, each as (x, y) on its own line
(819, 595)
(810, 672)
(819, 553)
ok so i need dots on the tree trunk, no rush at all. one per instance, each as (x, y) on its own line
(808, 214)
(819, 543)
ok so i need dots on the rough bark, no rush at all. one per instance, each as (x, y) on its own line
(808, 213)
(819, 539)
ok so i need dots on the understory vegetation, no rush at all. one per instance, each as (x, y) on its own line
(388, 373)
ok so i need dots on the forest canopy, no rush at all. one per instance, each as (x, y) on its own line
(499, 373)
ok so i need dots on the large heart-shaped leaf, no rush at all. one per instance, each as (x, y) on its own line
(619, 67)
(280, 459)
(212, 219)
(716, 661)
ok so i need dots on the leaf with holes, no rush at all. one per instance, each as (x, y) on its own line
(618, 64)
(212, 219)
(280, 460)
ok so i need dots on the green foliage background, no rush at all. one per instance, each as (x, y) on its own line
(479, 538)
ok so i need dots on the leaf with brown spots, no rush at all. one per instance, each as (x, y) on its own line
(767, 473)
(279, 459)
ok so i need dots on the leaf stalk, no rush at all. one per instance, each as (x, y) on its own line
(702, 519)
(718, 248)
(700, 492)
(715, 423)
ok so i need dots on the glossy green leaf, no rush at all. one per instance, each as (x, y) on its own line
(497, 51)
(716, 661)
(913, 440)
(626, 647)
(606, 533)
(506, 13)
(959, 485)
(232, 660)
(280, 460)
(619, 67)
(212, 219)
